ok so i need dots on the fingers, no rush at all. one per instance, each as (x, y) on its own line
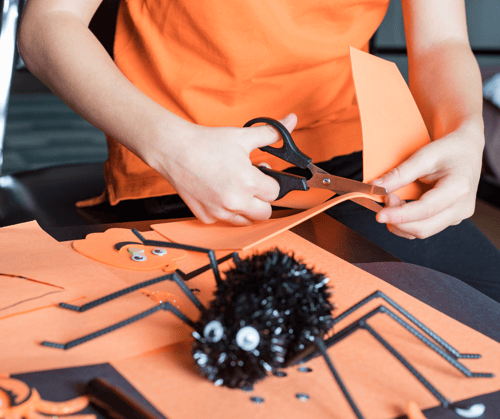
(427, 228)
(224, 185)
(396, 231)
(417, 166)
(258, 210)
(393, 201)
(241, 215)
(212, 215)
(269, 188)
(198, 210)
(423, 227)
(262, 135)
(446, 193)
(442, 196)
(449, 201)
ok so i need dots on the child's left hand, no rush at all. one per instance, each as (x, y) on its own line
(453, 164)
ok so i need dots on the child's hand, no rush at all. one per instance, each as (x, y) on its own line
(453, 164)
(211, 170)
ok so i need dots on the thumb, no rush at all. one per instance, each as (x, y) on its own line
(262, 135)
(417, 166)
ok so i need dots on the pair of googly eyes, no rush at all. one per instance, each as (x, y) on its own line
(139, 256)
(247, 338)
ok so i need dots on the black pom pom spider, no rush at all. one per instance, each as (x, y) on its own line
(263, 315)
(272, 311)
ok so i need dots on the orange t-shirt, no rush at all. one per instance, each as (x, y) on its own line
(222, 63)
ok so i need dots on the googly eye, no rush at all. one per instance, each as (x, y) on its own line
(213, 331)
(138, 257)
(159, 251)
(474, 411)
(257, 400)
(135, 250)
(247, 338)
(303, 397)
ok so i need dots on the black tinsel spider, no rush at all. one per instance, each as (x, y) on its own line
(269, 312)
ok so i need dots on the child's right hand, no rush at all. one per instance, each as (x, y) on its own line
(211, 170)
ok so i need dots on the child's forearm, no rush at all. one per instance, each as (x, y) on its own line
(58, 48)
(446, 83)
(209, 168)
(444, 75)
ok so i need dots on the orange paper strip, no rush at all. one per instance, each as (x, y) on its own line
(392, 126)
(223, 236)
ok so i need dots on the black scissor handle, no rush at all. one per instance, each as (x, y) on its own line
(288, 182)
(288, 151)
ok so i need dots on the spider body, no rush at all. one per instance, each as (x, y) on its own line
(263, 314)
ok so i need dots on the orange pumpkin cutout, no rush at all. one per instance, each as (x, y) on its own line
(121, 248)
(17, 401)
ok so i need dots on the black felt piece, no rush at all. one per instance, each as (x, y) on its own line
(442, 292)
(281, 298)
(67, 383)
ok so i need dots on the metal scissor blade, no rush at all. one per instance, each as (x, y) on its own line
(323, 180)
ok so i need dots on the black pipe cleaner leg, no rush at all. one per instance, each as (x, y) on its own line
(114, 295)
(210, 253)
(414, 320)
(351, 328)
(363, 323)
(444, 402)
(203, 269)
(320, 344)
(182, 285)
(125, 291)
(163, 306)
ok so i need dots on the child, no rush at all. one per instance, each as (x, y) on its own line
(186, 73)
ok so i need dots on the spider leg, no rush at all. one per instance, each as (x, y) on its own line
(382, 309)
(205, 268)
(210, 253)
(379, 294)
(128, 290)
(320, 344)
(363, 323)
(178, 277)
(114, 295)
(163, 306)
(444, 402)
(182, 285)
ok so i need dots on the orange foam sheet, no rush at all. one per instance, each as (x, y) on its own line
(379, 384)
(29, 311)
(37, 271)
(392, 126)
(223, 236)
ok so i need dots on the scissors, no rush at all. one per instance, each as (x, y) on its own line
(288, 182)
